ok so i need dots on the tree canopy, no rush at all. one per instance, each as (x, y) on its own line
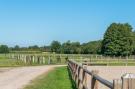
(93, 47)
(118, 40)
(55, 46)
(71, 47)
(4, 49)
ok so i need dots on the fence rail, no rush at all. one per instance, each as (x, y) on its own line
(62, 58)
(79, 74)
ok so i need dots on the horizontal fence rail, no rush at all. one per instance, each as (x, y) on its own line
(80, 74)
(62, 59)
(72, 65)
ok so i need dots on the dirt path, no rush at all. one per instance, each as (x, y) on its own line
(17, 78)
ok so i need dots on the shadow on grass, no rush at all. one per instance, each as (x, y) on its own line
(71, 80)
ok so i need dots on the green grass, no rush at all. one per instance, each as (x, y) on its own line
(55, 79)
(6, 62)
(9, 63)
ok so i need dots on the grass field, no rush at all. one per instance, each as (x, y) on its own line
(7, 62)
(56, 79)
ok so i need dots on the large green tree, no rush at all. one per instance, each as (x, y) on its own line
(75, 48)
(118, 40)
(66, 48)
(92, 47)
(71, 48)
(17, 48)
(4, 49)
(55, 46)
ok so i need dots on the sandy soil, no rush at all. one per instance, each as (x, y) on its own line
(111, 72)
(17, 78)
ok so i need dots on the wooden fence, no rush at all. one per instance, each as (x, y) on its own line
(80, 74)
(38, 58)
(62, 59)
(79, 56)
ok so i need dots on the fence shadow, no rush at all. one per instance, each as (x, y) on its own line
(71, 80)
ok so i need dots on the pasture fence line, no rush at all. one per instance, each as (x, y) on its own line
(80, 56)
(80, 75)
(37, 58)
(62, 58)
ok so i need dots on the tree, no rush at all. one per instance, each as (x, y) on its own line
(75, 48)
(66, 47)
(118, 40)
(93, 47)
(71, 48)
(17, 48)
(4, 49)
(55, 46)
(34, 47)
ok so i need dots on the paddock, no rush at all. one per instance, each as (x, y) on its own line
(110, 73)
(102, 77)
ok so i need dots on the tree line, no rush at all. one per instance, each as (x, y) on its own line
(118, 40)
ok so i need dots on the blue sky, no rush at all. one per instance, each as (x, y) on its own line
(30, 22)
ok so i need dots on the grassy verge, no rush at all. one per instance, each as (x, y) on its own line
(6, 62)
(56, 79)
(10, 63)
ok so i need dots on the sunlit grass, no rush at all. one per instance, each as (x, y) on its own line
(55, 79)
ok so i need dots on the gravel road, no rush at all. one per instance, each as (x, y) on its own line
(17, 78)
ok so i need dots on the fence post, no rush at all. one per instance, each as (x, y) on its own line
(78, 76)
(44, 60)
(94, 82)
(49, 60)
(81, 78)
(84, 80)
(117, 84)
(128, 81)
